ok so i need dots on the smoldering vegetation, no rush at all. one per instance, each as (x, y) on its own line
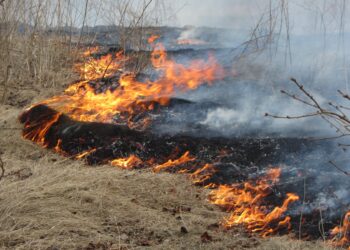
(226, 114)
(237, 105)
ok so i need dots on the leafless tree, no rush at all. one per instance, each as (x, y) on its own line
(337, 116)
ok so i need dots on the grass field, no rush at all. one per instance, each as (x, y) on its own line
(51, 202)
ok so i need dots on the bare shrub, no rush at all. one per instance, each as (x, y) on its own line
(33, 56)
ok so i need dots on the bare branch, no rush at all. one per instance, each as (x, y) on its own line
(2, 169)
(297, 98)
(338, 168)
(346, 96)
(293, 117)
(301, 87)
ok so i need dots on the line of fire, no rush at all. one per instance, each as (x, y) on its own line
(116, 115)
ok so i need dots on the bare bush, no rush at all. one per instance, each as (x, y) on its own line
(33, 55)
(337, 116)
(131, 21)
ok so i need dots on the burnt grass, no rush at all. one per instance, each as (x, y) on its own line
(235, 159)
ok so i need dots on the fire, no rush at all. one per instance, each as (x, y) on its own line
(201, 175)
(152, 38)
(102, 67)
(127, 163)
(84, 154)
(173, 163)
(40, 131)
(82, 101)
(130, 96)
(90, 51)
(191, 42)
(341, 234)
(246, 204)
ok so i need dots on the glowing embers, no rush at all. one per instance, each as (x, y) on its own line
(341, 234)
(248, 205)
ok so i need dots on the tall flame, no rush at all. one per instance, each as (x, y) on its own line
(82, 102)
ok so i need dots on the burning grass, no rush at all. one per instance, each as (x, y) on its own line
(49, 201)
(246, 204)
(130, 97)
(74, 124)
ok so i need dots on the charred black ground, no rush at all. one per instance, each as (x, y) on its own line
(235, 160)
(175, 130)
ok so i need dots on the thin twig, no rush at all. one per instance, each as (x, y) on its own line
(83, 24)
(321, 226)
(302, 210)
(328, 138)
(338, 168)
(301, 87)
(293, 117)
(346, 96)
(297, 98)
(5, 83)
(2, 169)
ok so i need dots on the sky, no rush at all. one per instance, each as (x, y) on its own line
(304, 16)
(220, 13)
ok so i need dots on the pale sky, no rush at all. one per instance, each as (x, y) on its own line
(305, 16)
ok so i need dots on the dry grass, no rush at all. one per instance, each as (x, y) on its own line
(33, 67)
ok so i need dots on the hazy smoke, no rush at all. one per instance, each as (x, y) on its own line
(315, 54)
(253, 89)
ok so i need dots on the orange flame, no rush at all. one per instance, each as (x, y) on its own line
(191, 42)
(127, 163)
(245, 202)
(341, 234)
(203, 174)
(153, 38)
(39, 133)
(82, 103)
(101, 67)
(246, 205)
(173, 163)
(84, 154)
(91, 51)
